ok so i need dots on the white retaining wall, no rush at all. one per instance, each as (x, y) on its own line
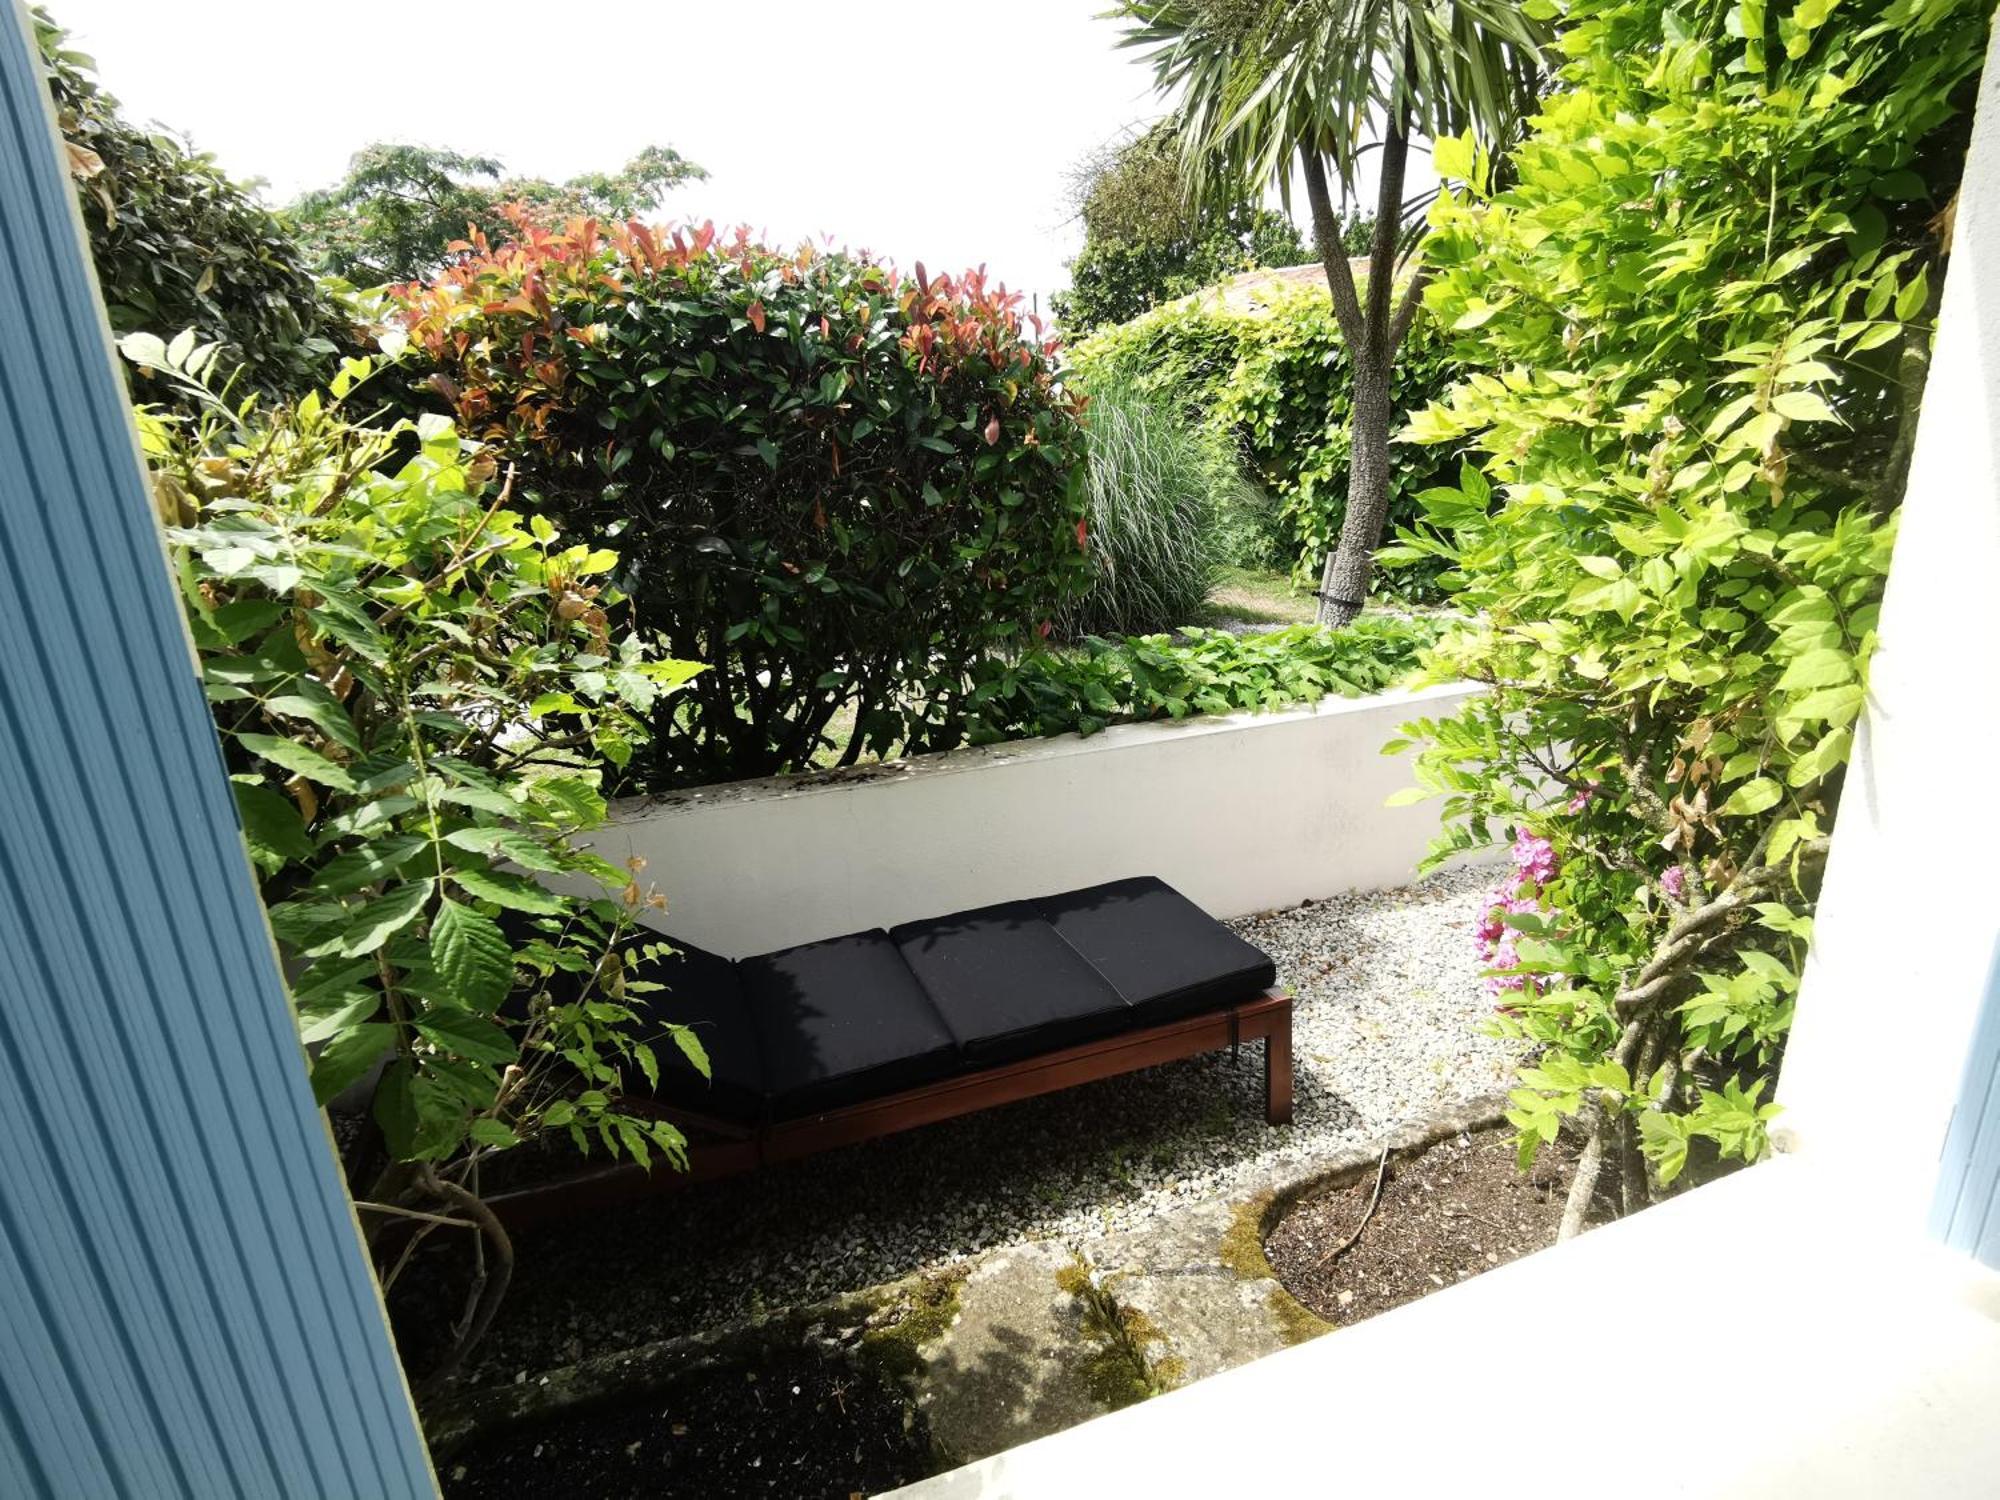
(1242, 813)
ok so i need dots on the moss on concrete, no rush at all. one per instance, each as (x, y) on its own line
(1242, 1251)
(918, 1315)
(1117, 1370)
(1242, 1247)
(1297, 1323)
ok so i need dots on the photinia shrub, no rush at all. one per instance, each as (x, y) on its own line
(840, 486)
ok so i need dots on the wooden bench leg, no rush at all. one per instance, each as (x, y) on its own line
(1278, 1073)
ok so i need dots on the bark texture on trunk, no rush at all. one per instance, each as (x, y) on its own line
(1373, 324)
(1343, 585)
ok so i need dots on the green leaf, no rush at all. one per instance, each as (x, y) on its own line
(1753, 797)
(692, 1049)
(1802, 406)
(322, 712)
(488, 1131)
(371, 864)
(299, 759)
(1452, 156)
(338, 1012)
(396, 1109)
(471, 955)
(385, 916)
(506, 843)
(468, 1036)
(485, 799)
(512, 891)
(1823, 667)
(344, 1060)
(272, 826)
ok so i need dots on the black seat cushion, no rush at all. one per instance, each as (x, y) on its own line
(1164, 954)
(701, 992)
(842, 1021)
(1007, 985)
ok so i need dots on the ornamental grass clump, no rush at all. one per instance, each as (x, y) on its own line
(1157, 485)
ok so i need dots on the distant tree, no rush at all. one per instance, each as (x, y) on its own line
(1143, 242)
(391, 217)
(1264, 88)
(179, 245)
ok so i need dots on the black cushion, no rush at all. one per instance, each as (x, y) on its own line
(701, 992)
(1164, 954)
(1007, 985)
(842, 1021)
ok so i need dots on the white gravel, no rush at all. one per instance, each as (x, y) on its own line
(1388, 1029)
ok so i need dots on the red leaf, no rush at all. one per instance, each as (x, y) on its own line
(993, 431)
(755, 313)
(1083, 536)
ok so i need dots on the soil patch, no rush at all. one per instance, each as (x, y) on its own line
(1458, 1209)
(797, 1424)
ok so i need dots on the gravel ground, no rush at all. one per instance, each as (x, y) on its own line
(1387, 1030)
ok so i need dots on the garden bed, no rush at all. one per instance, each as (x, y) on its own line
(1461, 1207)
(798, 1424)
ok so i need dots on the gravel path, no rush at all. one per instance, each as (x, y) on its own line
(1387, 1030)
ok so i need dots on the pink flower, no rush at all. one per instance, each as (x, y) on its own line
(1674, 881)
(1535, 865)
(1535, 857)
(1579, 802)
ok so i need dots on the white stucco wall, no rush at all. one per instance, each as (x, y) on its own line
(1910, 916)
(1242, 813)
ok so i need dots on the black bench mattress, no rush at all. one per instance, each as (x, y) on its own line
(822, 1025)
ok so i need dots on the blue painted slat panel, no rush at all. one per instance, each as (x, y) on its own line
(186, 1305)
(1966, 1212)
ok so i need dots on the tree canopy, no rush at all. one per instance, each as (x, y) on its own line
(1264, 87)
(1144, 241)
(399, 206)
(178, 244)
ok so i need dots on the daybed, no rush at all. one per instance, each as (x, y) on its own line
(860, 1036)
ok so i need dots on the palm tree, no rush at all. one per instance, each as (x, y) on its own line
(1261, 86)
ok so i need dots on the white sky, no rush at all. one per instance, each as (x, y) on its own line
(933, 130)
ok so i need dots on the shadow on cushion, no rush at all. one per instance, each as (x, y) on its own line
(843, 1021)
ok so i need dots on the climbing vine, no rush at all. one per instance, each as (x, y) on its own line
(1701, 310)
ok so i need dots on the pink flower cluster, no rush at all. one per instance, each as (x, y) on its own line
(1535, 865)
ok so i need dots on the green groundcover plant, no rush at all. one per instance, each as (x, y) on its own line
(418, 688)
(839, 486)
(1205, 672)
(1701, 314)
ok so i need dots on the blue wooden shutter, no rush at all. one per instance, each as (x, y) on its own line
(185, 1309)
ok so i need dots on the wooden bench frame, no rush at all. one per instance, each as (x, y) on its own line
(1268, 1017)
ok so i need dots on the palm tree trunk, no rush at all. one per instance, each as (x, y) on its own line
(1372, 332)
(1343, 588)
